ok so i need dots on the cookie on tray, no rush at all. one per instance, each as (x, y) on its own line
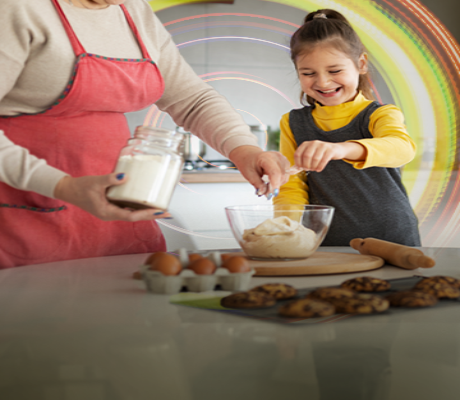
(330, 293)
(248, 300)
(361, 303)
(306, 308)
(448, 280)
(366, 284)
(279, 291)
(411, 299)
(440, 290)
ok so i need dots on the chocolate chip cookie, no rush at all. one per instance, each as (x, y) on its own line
(306, 308)
(361, 303)
(412, 299)
(279, 291)
(440, 290)
(248, 300)
(330, 293)
(366, 284)
(448, 280)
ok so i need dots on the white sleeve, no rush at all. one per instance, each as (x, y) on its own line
(18, 168)
(22, 170)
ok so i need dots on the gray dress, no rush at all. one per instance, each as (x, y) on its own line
(371, 202)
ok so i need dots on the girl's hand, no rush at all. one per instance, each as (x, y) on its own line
(89, 194)
(314, 155)
(254, 163)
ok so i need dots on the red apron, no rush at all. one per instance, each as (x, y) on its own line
(81, 134)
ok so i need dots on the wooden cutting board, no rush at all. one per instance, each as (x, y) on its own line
(320, 263)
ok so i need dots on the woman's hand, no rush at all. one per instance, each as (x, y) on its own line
(89, 193)
(314, 155)
(254, 163)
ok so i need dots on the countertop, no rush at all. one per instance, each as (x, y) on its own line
(84, 329)
(213, 175)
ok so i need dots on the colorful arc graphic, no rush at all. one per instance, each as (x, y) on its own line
(420, 63)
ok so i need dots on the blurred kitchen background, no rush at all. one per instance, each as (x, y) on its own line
(241, 49)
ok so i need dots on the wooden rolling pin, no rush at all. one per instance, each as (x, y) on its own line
(396, 254)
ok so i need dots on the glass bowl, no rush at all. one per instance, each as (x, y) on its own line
(279, 232)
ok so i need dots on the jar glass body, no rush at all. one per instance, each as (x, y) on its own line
(153, 162)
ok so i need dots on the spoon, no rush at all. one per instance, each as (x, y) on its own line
(291, 171)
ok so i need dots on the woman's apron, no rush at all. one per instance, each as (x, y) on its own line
(81, 134)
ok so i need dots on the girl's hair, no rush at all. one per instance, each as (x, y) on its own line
(334, 28)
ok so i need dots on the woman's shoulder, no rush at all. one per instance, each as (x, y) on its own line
(147, 20)
(140, 8)
(25, 18)
(25, 5)
(16, 11)
(143, 4)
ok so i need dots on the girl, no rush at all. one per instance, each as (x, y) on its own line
(350, 146)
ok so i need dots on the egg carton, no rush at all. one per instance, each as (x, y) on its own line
(222, 278)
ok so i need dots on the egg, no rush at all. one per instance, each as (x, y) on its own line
(194, 256)
(153, 256)
(226, 256)
(236, 264)
(202, 266)
(166, 263)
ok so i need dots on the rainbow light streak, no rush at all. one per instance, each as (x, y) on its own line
(420, 63)
(155, 8)
(239, 38)
(231, 24)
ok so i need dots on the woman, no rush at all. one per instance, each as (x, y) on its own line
(70, 69)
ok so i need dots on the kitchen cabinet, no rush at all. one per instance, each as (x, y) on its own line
(200, 208)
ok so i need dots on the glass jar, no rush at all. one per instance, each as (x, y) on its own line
(152, 161)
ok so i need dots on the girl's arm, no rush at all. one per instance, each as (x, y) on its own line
(391, 145)
(295, 191)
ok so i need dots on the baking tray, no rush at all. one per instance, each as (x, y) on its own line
(211, 301)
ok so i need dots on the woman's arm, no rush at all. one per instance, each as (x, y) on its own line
(18, 168)
(197, 107)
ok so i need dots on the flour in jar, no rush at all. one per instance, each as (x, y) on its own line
(279, 238)
(151, 181)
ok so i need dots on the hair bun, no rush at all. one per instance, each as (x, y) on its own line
(320, 15)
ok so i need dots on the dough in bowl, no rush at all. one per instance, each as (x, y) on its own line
(280, 238)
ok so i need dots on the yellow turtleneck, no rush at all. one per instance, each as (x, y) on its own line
(391, 145)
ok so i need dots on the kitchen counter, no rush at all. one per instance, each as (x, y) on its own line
(84, 329)
(212, 176)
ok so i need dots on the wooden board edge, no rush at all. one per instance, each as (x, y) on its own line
(300, 271)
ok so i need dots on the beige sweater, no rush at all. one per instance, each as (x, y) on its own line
(36, 62)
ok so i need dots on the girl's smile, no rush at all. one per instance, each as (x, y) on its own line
(329, 76)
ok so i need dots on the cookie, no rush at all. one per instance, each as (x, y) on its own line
(366, 284)
(279, 291)
(448, 280)
(440, 290)
(248, 300)
(361, 303)
(330, 293)
(306, 308)
(412, 299)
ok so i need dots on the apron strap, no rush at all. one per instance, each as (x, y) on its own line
(77, 47)
(133, 27)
